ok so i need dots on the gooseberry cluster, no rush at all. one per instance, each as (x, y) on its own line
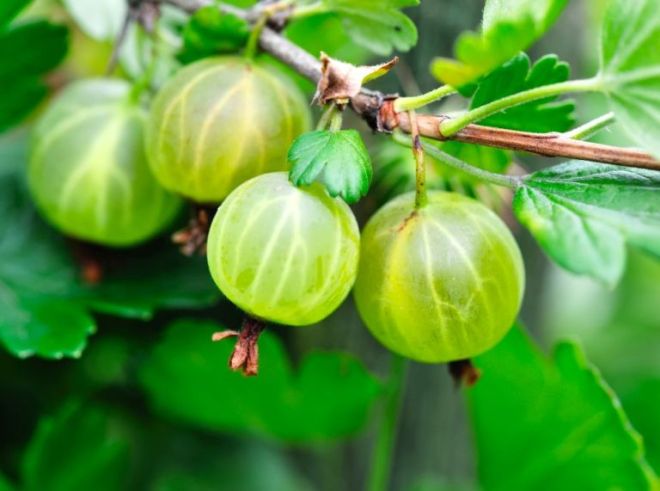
(435, 283)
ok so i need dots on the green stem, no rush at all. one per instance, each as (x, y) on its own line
(451, 126)
(421, 197)
(409, 103)
(252, 47)
(336, 120)
(451, 161)
(328, 112)
(590, 128)
(309, 10)
(381, 463)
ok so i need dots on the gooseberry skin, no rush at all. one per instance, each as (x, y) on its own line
(284, 254)
(440, 283)
(88, 173)
(221, 121)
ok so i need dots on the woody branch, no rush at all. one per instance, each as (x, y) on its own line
(377, 109)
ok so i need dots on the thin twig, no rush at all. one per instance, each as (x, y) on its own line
(129, 18)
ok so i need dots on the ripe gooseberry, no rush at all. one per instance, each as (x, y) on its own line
(88, 171)
(281, 253)
(440, 283)
(219, 122)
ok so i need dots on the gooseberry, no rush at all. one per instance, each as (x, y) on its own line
(219, 122)
(281, 253)
(440, 283)
(88, 171)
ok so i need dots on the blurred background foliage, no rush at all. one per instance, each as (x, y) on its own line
(147, 402)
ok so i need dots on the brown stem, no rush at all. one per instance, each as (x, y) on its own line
(245, 356)
(377, 109)
(547, 144)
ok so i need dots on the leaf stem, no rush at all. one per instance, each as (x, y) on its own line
(336, 120)
(415, 102)
(325, 118)
(309, 10)
(452, 126)
(381, 463)
(590, 128)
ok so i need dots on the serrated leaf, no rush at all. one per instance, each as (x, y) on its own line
(508, 27)
(338, 159)
(77, 449)
(187, 378)
(516, 75)
(210, 31)
(101, 19)
(551, 423)
(377, 25)
(583, 214)
(630, 68)
(10, 9)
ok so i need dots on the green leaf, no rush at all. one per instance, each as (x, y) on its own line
(10, 9)
(338, 159)
(42, 46)
(101, 19)
(543, 115)
(135, 283)
(583, 214)
(551, 423)
(378, 25)
(242, 466)
(5, 485)
(209, 31)
(187, 378)
(630, 68)
(508, 27)
(36, 273)
(543, 12)
(78, 449)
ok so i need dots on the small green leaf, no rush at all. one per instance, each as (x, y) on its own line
(544, 115)
(42, 46)
(210, 31)
(583, 214)
(10, 9)
(551, 423)
(187, 378)
(338, 159)
(631, 68)
(101, 19)
(78, 449)
(508, 27)
(378, 25)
